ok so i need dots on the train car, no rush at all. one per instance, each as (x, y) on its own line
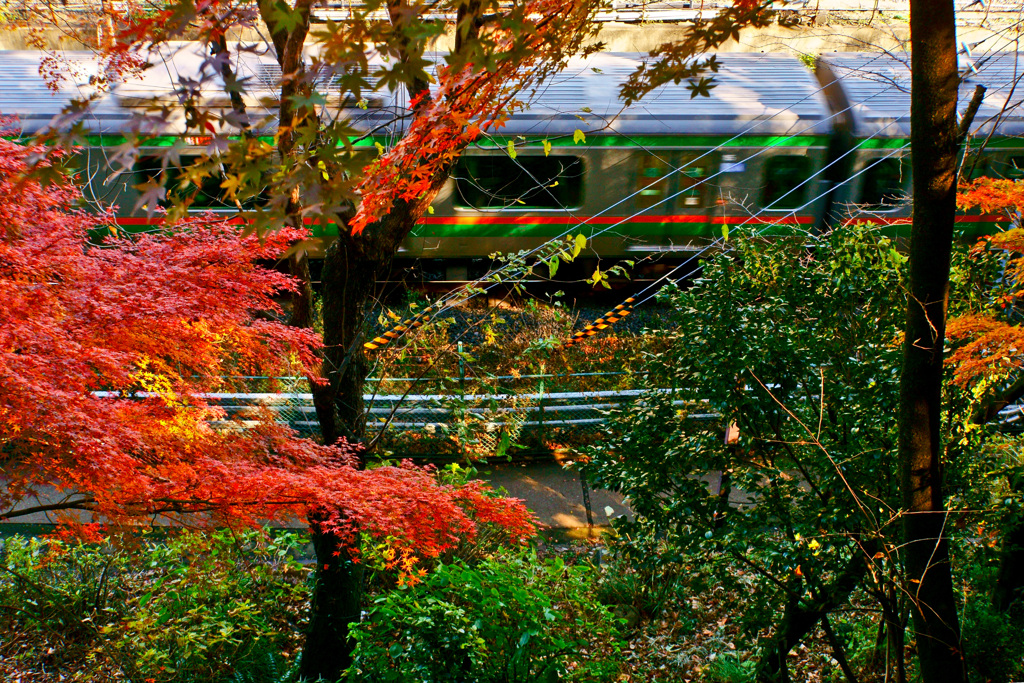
(664, 176)
(870, 95)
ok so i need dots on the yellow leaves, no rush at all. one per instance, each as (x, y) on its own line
(579, 244)
(578, 136)
(547, 147)
(231, 183)
(512, 149)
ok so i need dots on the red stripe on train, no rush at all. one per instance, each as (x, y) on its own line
(610, 220)
(570, 220)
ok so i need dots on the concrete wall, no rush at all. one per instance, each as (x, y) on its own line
(810, 39)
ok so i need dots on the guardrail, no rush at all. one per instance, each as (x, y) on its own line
(416, 412)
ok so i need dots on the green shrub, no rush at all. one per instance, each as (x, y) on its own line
(214, 605)
(59, 588)
(188, 608)
(992, 643)
(511, 618)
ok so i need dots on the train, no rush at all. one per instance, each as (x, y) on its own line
(779, 144)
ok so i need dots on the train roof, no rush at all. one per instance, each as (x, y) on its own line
(871, 91)
(755, 94)
(30, 104)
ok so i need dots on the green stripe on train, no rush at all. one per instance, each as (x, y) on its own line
(594, 140)
(549, 230)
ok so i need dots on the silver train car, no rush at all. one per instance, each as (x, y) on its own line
(870, 95)
(776, 147)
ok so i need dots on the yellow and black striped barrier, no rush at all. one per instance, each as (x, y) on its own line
(398, 330)
(605, 321)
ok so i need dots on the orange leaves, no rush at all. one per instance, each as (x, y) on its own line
(474, 95)
(990, 195)
(990, 346)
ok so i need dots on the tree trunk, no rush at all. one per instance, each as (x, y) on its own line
(800, 618)
(336, 603)
(934, 144)
(351, 268)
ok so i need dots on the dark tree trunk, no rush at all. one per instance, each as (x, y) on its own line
(801, 617)
(352, 266)
(336, 603)
(934, 144)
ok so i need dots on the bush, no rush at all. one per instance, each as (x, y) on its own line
(190, 607)
(61, 589)
(511, 618)
(992, 643)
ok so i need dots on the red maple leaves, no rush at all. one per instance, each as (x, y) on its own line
(107, 349)
(988, 343)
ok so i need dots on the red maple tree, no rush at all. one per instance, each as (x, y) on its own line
(108, 348)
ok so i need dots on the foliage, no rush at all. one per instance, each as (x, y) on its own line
(107, 351)
(795, 345)
(643, 579)
(188, 607)
(509, 618)
(71, 589)
(993, 647)
(212, 604)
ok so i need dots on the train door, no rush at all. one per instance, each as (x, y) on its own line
(879, 187)
(670, 200)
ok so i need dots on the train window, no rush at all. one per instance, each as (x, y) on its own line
(652, 182)
(784, 182)
(208, 196)
(1011, 168)
(884, 185)
(691, 183)
(527, 182)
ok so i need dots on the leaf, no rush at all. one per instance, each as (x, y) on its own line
(578, 136)
(580, 243)
(725, 233)
(547, 147)
(552, 266)
(512, 149)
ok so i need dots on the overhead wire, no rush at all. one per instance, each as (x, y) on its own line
(460, 294)
(635, 301)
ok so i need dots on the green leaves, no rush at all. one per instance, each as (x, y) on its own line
(511, 618)
(511, 149)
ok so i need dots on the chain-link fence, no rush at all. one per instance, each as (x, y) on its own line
(454, 423)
